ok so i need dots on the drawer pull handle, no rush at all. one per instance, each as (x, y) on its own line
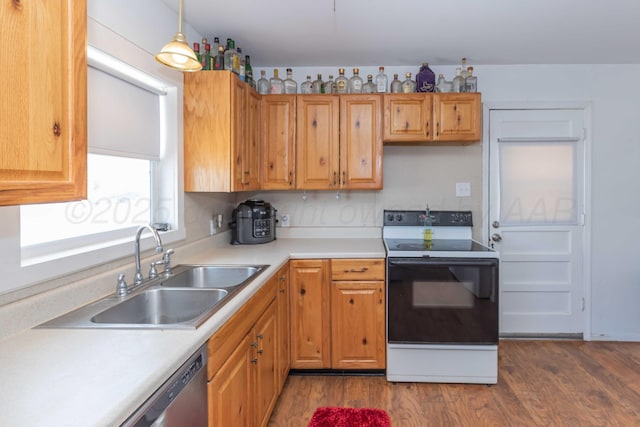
(353, 270)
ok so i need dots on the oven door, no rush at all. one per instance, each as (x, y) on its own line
(442, 300)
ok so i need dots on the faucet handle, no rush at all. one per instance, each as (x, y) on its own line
(153, 272)
(167, 261)
(121, 288)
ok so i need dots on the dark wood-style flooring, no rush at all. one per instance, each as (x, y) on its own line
(540, 383)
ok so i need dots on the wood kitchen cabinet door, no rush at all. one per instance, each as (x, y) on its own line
(358, 325)
(310, 314)
(408, 117)
(278, 142)
(266, 374)
(361, 142)
(458, 117)
(318, 144)
(221, 133)
(43, 80)
(250, 147)
(230, 390)
(284, 326)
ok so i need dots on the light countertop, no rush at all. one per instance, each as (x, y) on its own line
(98, 377)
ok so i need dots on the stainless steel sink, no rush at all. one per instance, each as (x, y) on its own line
(213, 276)
(184, 300)
(162, 307)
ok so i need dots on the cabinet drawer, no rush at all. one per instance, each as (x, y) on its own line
(357, 269)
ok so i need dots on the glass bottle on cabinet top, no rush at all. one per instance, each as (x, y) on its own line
(196, 50)
(263, 83)
(290, 85)
(382, 81)
(218, 61)
(248, 71)
(305, 87)
(330, 86)
(241, 70)
(231, 61)
(318, 85)
(369, 86)
(443, 85)
(408, 85)
(463, 69)
(355, 82)
(276, 85)
(458, 81)
(396, 85)
(471, 82)
(425, 79)
(342, 83)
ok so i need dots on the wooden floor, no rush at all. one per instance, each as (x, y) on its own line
(540, 383)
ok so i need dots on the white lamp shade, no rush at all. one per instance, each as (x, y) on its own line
(177, 54)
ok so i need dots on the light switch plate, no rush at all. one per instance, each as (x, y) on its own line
(463, 189)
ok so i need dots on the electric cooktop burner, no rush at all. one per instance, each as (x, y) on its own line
(442, 245)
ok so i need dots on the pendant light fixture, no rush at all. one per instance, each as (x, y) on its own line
(177, 53)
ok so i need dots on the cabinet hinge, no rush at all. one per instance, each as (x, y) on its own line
(583, 304)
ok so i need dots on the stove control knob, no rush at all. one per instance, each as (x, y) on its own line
(398, 217)
(389, 217)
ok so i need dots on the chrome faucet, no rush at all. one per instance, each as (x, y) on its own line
(138, 278)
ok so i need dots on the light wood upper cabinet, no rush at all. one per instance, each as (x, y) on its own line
(457, 117)
(310, 314)
(424, 118)
(407, 117)
(43, 81)
(221, 133)
(339, 142)
(360, 142)
(318, 142)
(278, 142)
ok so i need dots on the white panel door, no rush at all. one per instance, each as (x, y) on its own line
(536, 199)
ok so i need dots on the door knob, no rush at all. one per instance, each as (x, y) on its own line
(496, 237)
(495, 224)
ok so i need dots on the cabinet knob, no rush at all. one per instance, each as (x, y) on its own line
(254, 361)
(260, 351)
(260, 336)
(303, 291)
(56, 126)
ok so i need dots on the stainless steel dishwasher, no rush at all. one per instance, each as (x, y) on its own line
(180, 401)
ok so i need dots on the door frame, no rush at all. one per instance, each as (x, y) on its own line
(586, 245)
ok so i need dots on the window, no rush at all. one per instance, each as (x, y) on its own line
(126, 117)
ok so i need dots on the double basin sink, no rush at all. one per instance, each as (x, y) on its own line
(183, 300)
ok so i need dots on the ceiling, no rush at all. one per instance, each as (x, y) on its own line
(377, 32)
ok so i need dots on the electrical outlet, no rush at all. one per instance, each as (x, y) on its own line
(463, 189)
(285, 220)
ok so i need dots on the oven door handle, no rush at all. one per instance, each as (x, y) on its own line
(445, 262)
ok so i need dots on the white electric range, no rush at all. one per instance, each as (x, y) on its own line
(442, 299)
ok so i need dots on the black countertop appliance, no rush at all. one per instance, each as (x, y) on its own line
(254, 221)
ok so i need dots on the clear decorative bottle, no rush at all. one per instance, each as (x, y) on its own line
(218, 63)
(290, 85)
(471, 82)
(263, 83)
(330, 86)
(443, 85)
(396, 85)
(241, 69)
(408, 85)
(305, 87)
(318, 85)
(426, 79)
(369, 86)
(342, 83)
(231, 61)
(463, 71)
(216, 45)
(382, 81)
(458, 81)
(276, 85)
(355, 82)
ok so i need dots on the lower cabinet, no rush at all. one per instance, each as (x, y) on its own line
(244, 378)
(338, 314)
